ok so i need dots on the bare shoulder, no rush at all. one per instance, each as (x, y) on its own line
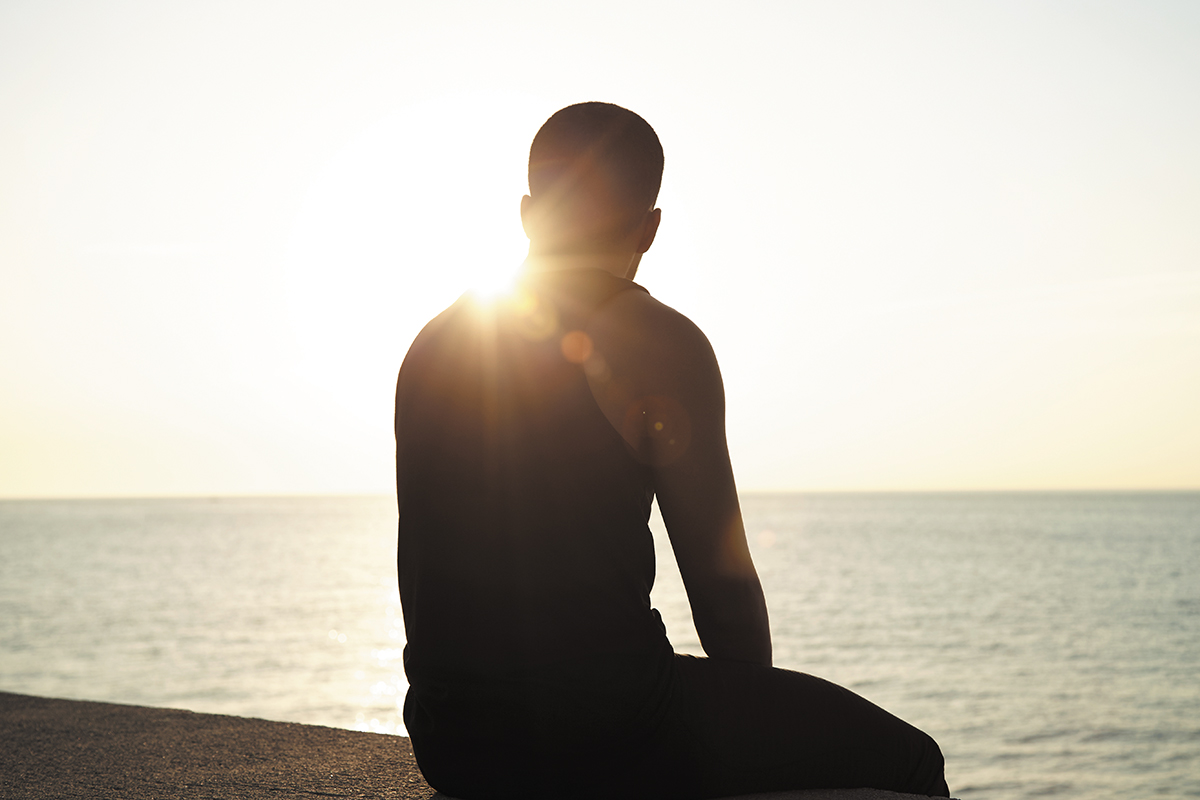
(425, 355)
(639, 334)
(659, 385)
(429, 333)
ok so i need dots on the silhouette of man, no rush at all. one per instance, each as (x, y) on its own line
(531, 436)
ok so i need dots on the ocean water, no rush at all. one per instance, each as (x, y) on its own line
(1049, 642)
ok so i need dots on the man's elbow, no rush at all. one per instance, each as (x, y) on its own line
(734, 626)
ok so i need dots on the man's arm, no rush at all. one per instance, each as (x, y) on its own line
(663, 392)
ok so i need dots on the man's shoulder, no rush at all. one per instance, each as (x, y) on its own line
(646, 327)
(441, 324)
(441, 335)
(660, 369)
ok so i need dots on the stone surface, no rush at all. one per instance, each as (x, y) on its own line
(64, 748)
(70, 748)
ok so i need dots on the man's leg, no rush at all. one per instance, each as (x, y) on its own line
(748, 728)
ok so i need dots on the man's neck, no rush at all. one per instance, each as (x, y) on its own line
(619, 264)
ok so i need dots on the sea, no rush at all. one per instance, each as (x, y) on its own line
(1050, 642)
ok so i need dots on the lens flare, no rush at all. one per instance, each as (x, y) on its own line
(576, 347)
(536, 319)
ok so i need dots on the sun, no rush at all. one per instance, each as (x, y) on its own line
(493, 282)
(409, 214)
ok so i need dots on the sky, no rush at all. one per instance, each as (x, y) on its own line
(935, 246)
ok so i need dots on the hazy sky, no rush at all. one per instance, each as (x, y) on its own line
(935, 245)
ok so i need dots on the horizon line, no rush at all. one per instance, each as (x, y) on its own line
(747, 492)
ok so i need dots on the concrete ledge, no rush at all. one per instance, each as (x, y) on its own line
(71, 748)
(68, 749)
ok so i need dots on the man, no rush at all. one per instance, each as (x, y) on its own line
(531, 437)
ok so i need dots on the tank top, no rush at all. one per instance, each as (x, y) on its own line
(523, 537)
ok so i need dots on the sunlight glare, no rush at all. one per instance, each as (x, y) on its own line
(402, 220)
(490, 283)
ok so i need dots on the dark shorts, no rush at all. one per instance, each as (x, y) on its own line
(659, 725)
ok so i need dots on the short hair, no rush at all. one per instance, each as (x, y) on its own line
(598, 167)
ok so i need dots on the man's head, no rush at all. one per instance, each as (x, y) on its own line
(594, 174)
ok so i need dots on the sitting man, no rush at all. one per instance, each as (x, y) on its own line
(532, 434)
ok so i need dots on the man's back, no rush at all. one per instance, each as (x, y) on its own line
(522, 511)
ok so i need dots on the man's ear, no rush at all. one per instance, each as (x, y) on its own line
(526, 222)
(649, 230)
